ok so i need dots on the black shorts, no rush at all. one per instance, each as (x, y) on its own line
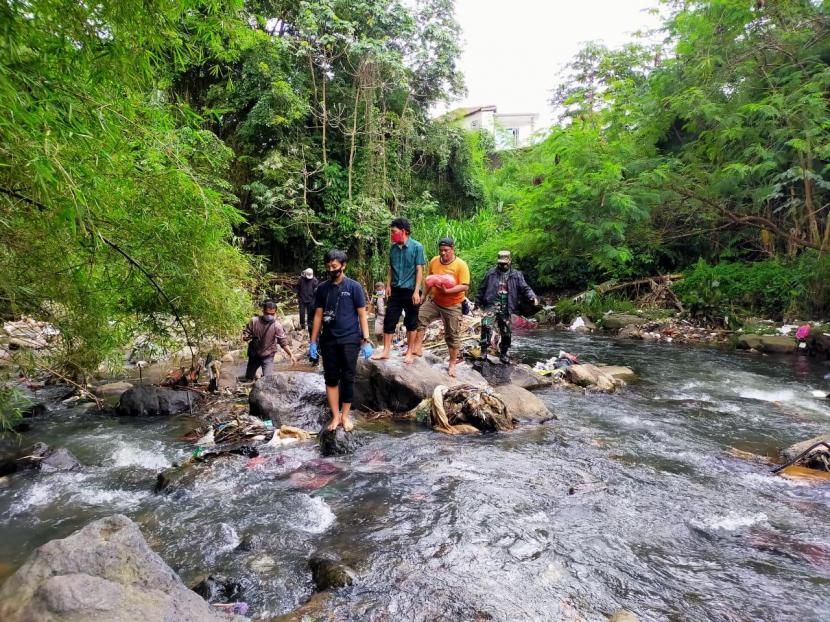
(340, 366)
(400, 301)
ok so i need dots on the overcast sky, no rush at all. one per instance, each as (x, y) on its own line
(514, 49)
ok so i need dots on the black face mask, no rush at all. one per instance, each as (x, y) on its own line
(333, 274)
(504, 267)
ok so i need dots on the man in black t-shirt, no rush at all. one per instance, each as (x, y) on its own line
(342, 327)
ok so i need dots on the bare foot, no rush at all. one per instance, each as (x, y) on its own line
(379, 356)
(347, 423)
(451, 370)
(335, 421)
(408, 358)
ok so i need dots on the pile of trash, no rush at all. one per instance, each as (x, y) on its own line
(29, 334)
(245, 429)
(555, 366)
(464, 409)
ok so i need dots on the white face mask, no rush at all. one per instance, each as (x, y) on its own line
(380, 292)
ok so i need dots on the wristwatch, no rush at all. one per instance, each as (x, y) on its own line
(366, 339)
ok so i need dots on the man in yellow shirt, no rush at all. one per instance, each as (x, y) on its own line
(445, 302)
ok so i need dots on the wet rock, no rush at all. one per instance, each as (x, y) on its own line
(632, 331)
(60, 459)
(623, 616)
(522, 405)
(105, 571)
(592, 377)
(219, 589)
(330, 574)
(616, 321)
(112, 389)
(770, 344)
(818, 458)
(523, 376)
(290, 398)
(250, 542)
(147, 400)
(619, 372)
(393, 385)
(339, 442)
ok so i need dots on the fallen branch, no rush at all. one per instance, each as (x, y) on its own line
(83, 391)
(611, 286)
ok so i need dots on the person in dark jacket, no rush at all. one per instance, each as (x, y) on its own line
(498, 296)
(263, 334)
(306, 285)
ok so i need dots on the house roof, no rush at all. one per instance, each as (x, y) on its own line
(466, 111)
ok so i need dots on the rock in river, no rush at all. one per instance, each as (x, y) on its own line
(592, 377)
(498, 374)
(103, 572)
(818, 458)
(616, 321)
(329, 573)
(772, 344)
(393, 385)
(296, 399)
(147, 400)
(339, 442)
(522, 405)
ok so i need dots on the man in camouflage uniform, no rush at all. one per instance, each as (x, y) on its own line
(498, 296)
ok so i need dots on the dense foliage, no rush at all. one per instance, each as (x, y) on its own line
(156, 155)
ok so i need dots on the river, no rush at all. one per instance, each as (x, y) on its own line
(628, 501)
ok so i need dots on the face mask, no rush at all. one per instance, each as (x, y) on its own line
(267, 317)
(333, 274)
(397, 237)
(504, 267)
(380, 292)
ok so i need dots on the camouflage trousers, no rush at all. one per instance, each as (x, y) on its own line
(498, 316)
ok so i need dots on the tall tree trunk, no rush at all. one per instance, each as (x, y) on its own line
(358, 87)
(812, 221)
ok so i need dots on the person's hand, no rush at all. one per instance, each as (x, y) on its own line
(366, 350)
(312, 351)
(388, 292)
(416, 298)
(536, 302)
(293, 360)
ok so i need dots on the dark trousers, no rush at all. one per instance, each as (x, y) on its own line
(306, 310)
(255, 362)
(400, 302)
(340, 366)
(501, 319)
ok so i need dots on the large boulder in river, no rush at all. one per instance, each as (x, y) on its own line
(291, 398)
(339, 442)
(148, 400)
(619, 372)
(772, 344)
(616, 321)
(592, 377)
(393, 385)
(522, 405)
(105, 572)
(498, 374)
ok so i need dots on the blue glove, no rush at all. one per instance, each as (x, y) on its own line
(366, 350)
(312, 351)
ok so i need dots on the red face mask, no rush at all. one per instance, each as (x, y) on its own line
(397, 236)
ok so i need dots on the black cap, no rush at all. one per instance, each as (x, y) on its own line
(446, 242)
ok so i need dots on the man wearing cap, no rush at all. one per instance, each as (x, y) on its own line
(403, 286)
(306, 285)
(443, 300)
(498, 297)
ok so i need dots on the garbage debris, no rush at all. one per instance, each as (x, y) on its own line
(30, 334)
(577, 324)
(523, 322)
(466, 408)
(287, 435)
(555, 366)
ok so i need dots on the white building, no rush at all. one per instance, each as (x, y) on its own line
(511, 130)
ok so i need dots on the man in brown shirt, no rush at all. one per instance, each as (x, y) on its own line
(263, 334)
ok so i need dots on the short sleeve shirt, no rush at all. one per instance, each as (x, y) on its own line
(404, 261)
(459, 271)
(344, 300)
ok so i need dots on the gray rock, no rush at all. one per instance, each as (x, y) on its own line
(622, 615)
(393, 385)
(112, 389)
(329, 573)
(147, 400)
(339, 442)
(818, 458)
(104, 572)
(290, 398)
(592, 377)
(632, 331)
(616, 321)
(771, 344)
(250, 542)
(522, 405)
(523, 376)
(219, 589)
(60, 459)
(619, 372)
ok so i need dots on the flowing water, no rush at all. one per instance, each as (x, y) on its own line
(628, 501)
